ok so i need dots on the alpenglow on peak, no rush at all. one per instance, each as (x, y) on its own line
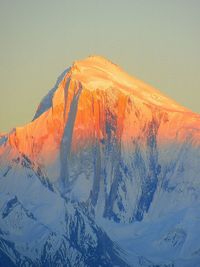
(105, 154)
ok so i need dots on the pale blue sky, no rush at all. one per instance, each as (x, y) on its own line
(157, 41)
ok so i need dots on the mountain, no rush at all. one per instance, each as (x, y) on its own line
(106, 174)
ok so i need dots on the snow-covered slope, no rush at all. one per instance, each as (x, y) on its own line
(41, 228)
(105, 152)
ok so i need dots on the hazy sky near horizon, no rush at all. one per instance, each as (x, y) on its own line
(155, 40)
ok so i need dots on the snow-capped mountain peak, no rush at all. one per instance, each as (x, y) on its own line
(102, 149)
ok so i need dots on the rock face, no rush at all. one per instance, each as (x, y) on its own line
(103, 148)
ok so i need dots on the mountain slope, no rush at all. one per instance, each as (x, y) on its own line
(41, 228)
(120, 150)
